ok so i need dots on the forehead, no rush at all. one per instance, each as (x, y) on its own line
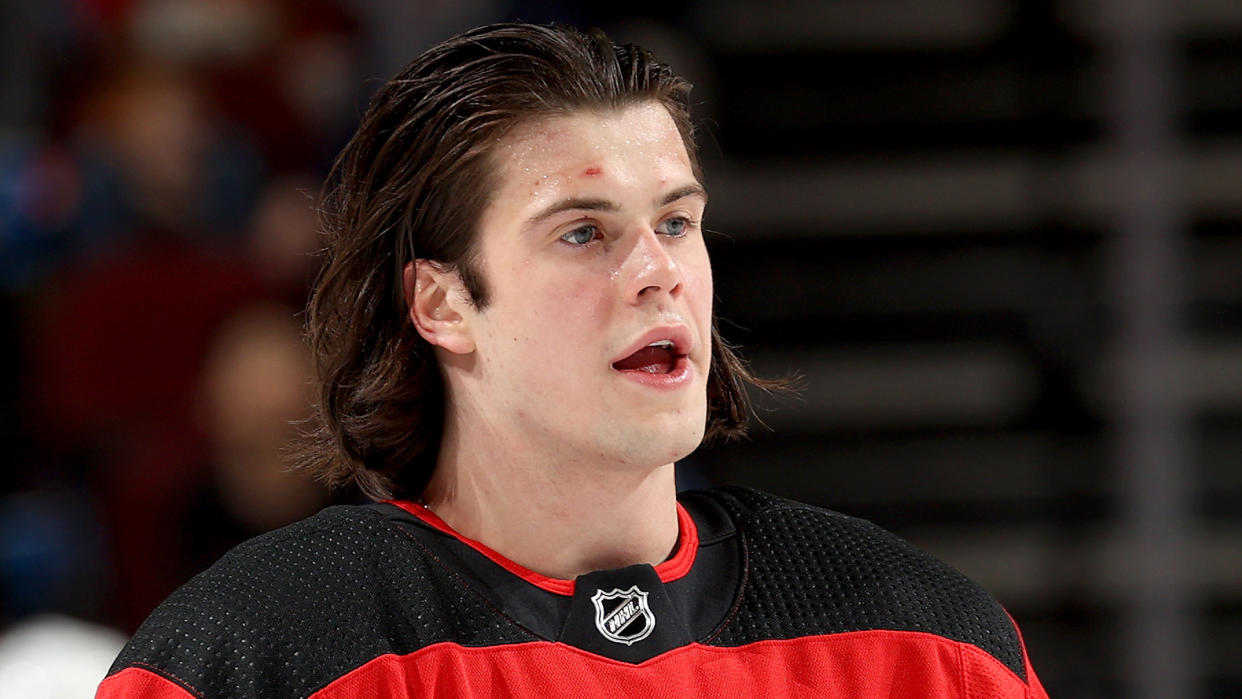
(635, 142)
(643, 125)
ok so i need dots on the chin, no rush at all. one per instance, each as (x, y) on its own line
(660, 445)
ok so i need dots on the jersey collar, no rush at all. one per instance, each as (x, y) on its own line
(672, 569)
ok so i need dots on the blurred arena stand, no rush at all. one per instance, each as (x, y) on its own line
(999, 240)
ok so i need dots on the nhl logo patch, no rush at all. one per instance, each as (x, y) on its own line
(623, 616)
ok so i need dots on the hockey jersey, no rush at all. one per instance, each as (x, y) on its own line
(762, 597)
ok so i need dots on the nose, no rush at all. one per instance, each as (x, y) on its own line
(649, 271)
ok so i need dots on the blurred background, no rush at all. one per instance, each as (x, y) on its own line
(1000, 241)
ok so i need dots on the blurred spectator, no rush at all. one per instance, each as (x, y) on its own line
(284, 237)
(256, 384)
(117, 353)
(182, 172)
(147, 157)
(284, 71)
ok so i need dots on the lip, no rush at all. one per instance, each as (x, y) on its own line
(681, 375)
(683, 368)
(679, 335)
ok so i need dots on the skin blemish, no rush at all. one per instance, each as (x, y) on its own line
(591, 171)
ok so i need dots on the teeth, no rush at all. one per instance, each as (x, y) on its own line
(662, 343)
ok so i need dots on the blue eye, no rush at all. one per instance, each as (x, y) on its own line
(675, 227)
(581, 235)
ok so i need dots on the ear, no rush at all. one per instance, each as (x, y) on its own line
(439, 305)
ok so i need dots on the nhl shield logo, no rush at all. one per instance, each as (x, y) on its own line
(623, 616)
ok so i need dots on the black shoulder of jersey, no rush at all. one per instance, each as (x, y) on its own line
(813, 571)
(289, 611)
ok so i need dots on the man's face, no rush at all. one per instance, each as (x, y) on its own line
(596, 339)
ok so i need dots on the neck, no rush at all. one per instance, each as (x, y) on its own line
(558, 517)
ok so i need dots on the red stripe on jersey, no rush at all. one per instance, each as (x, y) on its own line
(675, 567)
(858, 665)
(140, 683)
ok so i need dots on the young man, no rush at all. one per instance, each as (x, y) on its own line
(516, 343)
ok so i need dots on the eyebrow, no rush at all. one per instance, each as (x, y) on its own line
(572, 204)
(596, 204)
(690, 190)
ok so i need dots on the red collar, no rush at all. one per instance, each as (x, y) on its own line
(672, 569)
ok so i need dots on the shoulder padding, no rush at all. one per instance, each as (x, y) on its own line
(289, 611)
(814, 571)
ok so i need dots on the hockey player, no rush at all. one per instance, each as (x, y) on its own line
(516, 343)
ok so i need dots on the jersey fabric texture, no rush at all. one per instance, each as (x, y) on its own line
(763, 597)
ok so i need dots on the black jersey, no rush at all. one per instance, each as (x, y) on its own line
(763, 597)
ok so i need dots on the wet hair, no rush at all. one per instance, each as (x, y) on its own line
(412, 184)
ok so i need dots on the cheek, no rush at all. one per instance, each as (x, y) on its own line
(696, 273)
(576, 309)
(558, 321)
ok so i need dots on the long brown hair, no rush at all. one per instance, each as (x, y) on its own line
(412, 184)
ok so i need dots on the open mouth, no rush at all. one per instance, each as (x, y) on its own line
(657, 358)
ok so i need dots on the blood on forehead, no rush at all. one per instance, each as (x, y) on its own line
(592, 171)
